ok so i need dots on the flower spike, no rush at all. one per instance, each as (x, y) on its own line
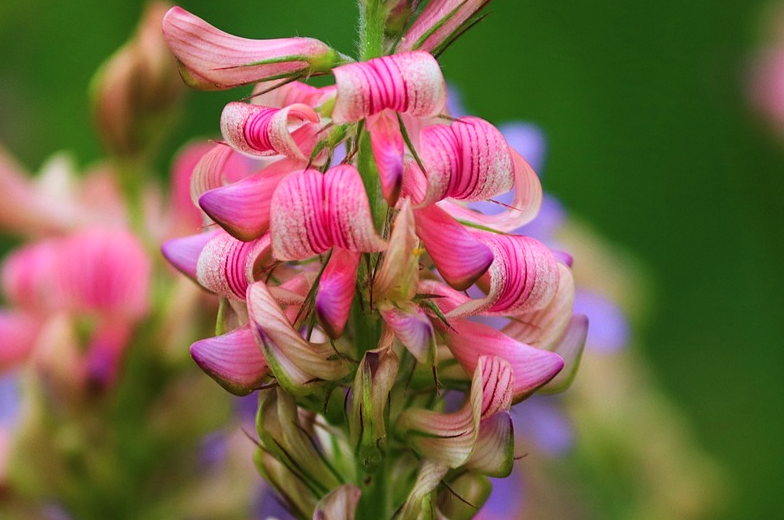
(211, 59)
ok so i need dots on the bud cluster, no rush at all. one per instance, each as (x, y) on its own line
(359, 288)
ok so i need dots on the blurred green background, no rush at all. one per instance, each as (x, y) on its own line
(650, 140)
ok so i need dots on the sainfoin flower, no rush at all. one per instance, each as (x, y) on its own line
(356, 276)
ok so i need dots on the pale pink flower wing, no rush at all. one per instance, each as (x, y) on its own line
(336, 291)
(233, 360)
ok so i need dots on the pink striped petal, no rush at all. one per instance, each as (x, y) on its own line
(388, 147)
(211, 59)
(336, 291)
(233, 360)
(459, 256)
(411, 83)
(291, 93)
(413, 329)
(262, 131)
(544, 327)
(442, 295)
(209, 171)
(438, 22)
(297, 222)
(348, 211)
(294, 362)
(398, 276)
(227, 266)
(18, 332)
(522, 210)
(532, 367)
(183, 253)
(243, 208)
(523, 277)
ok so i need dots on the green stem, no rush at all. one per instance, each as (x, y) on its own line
(372, 21)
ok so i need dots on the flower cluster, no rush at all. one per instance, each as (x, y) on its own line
(355, 274)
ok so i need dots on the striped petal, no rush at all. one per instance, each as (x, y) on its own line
(291, 93)
(532, 367)
(387, 144)
(211, 59)
(459, 256)
(336, 291)
(227, 266)
(523, 208)
(523, 277)
(233, 360)
(348, 211)
(411, 83)
(297, 221)
(243, 208)
(413, 329)
(438, 23)
(295, 362)
(263, 131)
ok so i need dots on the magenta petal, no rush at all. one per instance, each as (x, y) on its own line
(297, 217)
(211, 59)
(411, 83)
(183, 253)
(532, 367)
(336, 291)
(486, 162)
(291, 93)
(233, 360)
(459, 256)
(347, 212)
(243, 208)
(209, 171)
(227, 266)
(414, 330)
(262, 131)
(386, 141)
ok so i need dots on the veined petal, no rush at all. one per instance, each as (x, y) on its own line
(262, 131)
(493, 453)
(338, 504)
(183, 253)
(412, 327)
(294, 362)
(523, 277)
(438, 22)
(243, 208)
(227, 266)
(211, 59)
(532, 367)
(347, 211)
(411, 83)
(398, 276)
(420, 504)
(523, 208)
(233, 360)
(291, 93)
(459, 256)
(297, 218)
(386, 140)
(209, 171)
(336, 291)
(570, 348)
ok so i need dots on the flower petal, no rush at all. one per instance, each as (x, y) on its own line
(243, 208)
(348, 211)
(386, 141)
(398, 276)
(570, 348)
(227, 266)
(412, 327)
(211, 59)
(493, 453)
(233, 360)
(336, 291)
(209, 171)
(290, 93)
(338, 504)
(439, 20)
(459, 256)
(297, 219)
(411, 83)
(183, 253)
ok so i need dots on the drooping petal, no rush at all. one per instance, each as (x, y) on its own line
(262, 131)
(398, 276)
(348, 211)
(295, 362)
(211, 59)
(459, 256)
(233, 360)
(336, 291)
(227, 266)
(438, 22)
(411, 83)
(523, 277)
(570, 348)
(413, 328)
(532, 367)
(183, 253)
(493, 453)
(243, 208)
(522, 209)
(387, 144)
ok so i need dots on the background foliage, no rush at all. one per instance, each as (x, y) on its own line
(649, 139)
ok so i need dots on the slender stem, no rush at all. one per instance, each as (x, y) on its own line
(372, 20)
